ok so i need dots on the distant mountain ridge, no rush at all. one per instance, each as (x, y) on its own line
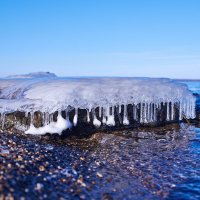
(34, 75)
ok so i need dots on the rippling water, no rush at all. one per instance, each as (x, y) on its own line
(159, 163)
(163, 163)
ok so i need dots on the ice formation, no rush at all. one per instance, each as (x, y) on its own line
(53, 127)
(110, 95)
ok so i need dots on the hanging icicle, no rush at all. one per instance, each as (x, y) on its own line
(167, 118)
(75, 120)
(172, 110)
(88, 116)
(135, 117)
(110, 117)
(100, 112)
(96, 122)
(125, 118)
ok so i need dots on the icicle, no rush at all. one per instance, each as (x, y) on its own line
(141, 112)
(47, 117)
(96, 122)
(119, 115)
(51, 118)
(88, 115)
(167, 118)
(154, 112)
(120, 108)
(32, 117)
(26, 114)
(172, 110)
(187, 109)
(100, 112)
(151, 112)
(180, 111)
(148, 112)
(145, 113)
(193, 114)
(184, 109)
(43, 118)
(193, 110)
(134, 112)
(69, 124)
(104, 116)
(66, 114)
(125, 118)
(190, 109)
(110, 117)
(75, 120)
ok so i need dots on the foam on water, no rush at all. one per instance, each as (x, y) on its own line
(49, 95)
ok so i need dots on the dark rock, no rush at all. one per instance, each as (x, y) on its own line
(18, 121)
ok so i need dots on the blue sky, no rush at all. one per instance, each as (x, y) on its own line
(156, 38)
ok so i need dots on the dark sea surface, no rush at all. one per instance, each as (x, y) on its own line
(144, 163)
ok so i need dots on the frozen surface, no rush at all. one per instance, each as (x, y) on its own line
(62, 94)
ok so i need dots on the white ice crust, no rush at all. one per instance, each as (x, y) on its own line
(48, 95)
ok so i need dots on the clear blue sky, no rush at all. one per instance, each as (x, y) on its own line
(156, 38)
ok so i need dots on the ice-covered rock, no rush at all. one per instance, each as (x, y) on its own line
(147, 97)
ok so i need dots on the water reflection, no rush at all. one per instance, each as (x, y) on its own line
(149, 163)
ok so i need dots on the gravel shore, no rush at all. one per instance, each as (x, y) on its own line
(142, 164)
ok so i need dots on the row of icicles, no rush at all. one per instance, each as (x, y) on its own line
(142, 113)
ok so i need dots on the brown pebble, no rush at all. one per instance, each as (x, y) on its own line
(42, 168)
(82, 158)
(19, 158)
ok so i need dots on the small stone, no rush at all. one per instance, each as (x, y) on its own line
(38, 186)
(80, 181)
(4, 152)
(26, 190)
(97, 163)
(9, 197)
(82, 158)
(19, 158)
(42, 168)
(99, 175)
(82, 196)
(71, 190)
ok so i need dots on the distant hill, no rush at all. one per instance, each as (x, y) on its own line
(35, 75)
